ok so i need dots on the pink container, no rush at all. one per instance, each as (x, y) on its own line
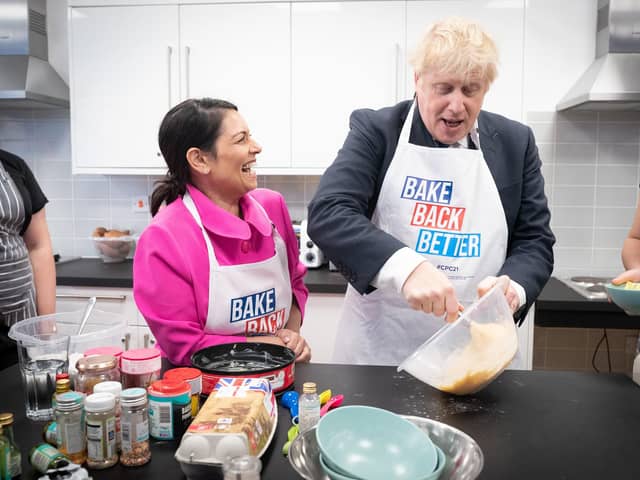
(140, 367)
(115, 351)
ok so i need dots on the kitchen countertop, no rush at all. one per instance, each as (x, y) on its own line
(557, 306)
(530, 425)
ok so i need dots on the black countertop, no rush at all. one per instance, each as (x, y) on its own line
(530, 425)
(557, 305)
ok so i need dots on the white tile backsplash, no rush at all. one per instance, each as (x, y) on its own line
(590, 163)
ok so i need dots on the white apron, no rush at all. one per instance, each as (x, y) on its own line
(443, 203)
(248, 299)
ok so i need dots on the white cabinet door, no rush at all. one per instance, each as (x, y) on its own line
(241, 53)
(345, 55)
(124, 77)
(504, 21)
(322, 313)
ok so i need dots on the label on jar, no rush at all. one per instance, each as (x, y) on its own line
(161, 419)
(101, 439)
(134, 430)
(72, 438)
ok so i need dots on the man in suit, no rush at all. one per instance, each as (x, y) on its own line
(420, 230)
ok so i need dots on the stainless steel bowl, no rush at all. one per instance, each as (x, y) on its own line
(464, 457)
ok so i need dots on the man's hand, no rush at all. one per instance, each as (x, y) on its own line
(504, 284)
(429, 290)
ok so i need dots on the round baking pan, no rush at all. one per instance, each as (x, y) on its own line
(245, 360)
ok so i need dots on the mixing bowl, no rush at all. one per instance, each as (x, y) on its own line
(627, 297)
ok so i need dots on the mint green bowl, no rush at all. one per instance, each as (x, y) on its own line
(375, 444)
(628, 300)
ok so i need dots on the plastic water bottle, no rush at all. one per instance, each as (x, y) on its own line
(308, 407)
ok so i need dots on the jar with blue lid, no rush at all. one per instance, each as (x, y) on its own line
(169, 409)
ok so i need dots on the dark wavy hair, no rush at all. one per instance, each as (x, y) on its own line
(192, 123)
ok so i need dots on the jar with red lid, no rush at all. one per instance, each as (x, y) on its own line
(140, 367)
(115, 351)
(169, 409)
(95, 369)
(193, 377)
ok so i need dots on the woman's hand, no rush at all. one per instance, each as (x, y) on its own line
(632, 275)
(504, 284)
(295, 342)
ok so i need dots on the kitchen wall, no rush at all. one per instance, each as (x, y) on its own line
(80, 203)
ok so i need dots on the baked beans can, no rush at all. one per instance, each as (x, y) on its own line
(193, 377)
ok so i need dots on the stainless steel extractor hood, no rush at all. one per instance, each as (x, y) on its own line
(612, 82)
(27, 80)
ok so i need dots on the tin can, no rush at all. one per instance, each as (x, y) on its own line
(169, 409)
(193, 377)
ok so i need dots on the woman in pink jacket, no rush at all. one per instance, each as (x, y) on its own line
(219, 263)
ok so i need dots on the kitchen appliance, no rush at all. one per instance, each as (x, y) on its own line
(590, 287)
(612, 82)
(310, 255)
(27, 80)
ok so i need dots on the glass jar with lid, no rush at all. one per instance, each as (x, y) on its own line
(135, 427)
(95, 369)
(101, 430)
(71, 434)
(140, 367)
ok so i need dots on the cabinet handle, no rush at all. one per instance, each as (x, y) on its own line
(169, 55)
(187, 68)
(148, 340)
(118, 298)
(127, 341)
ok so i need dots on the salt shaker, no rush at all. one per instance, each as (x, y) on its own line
(245, 467)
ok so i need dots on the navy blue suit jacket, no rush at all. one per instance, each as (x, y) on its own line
(340, 212)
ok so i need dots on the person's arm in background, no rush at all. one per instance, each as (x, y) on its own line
(631, 253)
(38, 243)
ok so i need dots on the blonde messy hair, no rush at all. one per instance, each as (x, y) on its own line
(459, 47)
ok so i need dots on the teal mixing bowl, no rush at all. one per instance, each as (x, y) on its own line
(375, 444)
(626, 299)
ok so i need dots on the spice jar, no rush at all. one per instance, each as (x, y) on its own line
(169, 409)
(101, 430)
(135, 427)
(71, 438)
(50, 433)
(115, 351)
(193, 377)
(44, 457)
(95, 369)
(14, 459)
(115, 388)
(140, 367)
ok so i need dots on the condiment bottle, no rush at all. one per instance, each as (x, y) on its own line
(135, 427)
(44, 457)
(169, 409)
(95, 369)
(245, 467)
(71, 433)
(15, 459)
(50, 433)
(193, 377)
(62, 385)
(101, 430)
(115, 388)
(308, 407)
(140, 367)
(5, 456)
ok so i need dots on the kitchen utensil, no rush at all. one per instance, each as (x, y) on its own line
(333, 402)
(376, 444)
(627, 297)
(324, 396)
(292, 433)
(290, 400)
(85, 315)
(466, 355)
(463, 457)
(245, 360)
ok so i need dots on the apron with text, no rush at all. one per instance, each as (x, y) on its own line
(444, 204)
(247, 299)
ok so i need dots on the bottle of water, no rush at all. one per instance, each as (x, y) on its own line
(308, 407)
